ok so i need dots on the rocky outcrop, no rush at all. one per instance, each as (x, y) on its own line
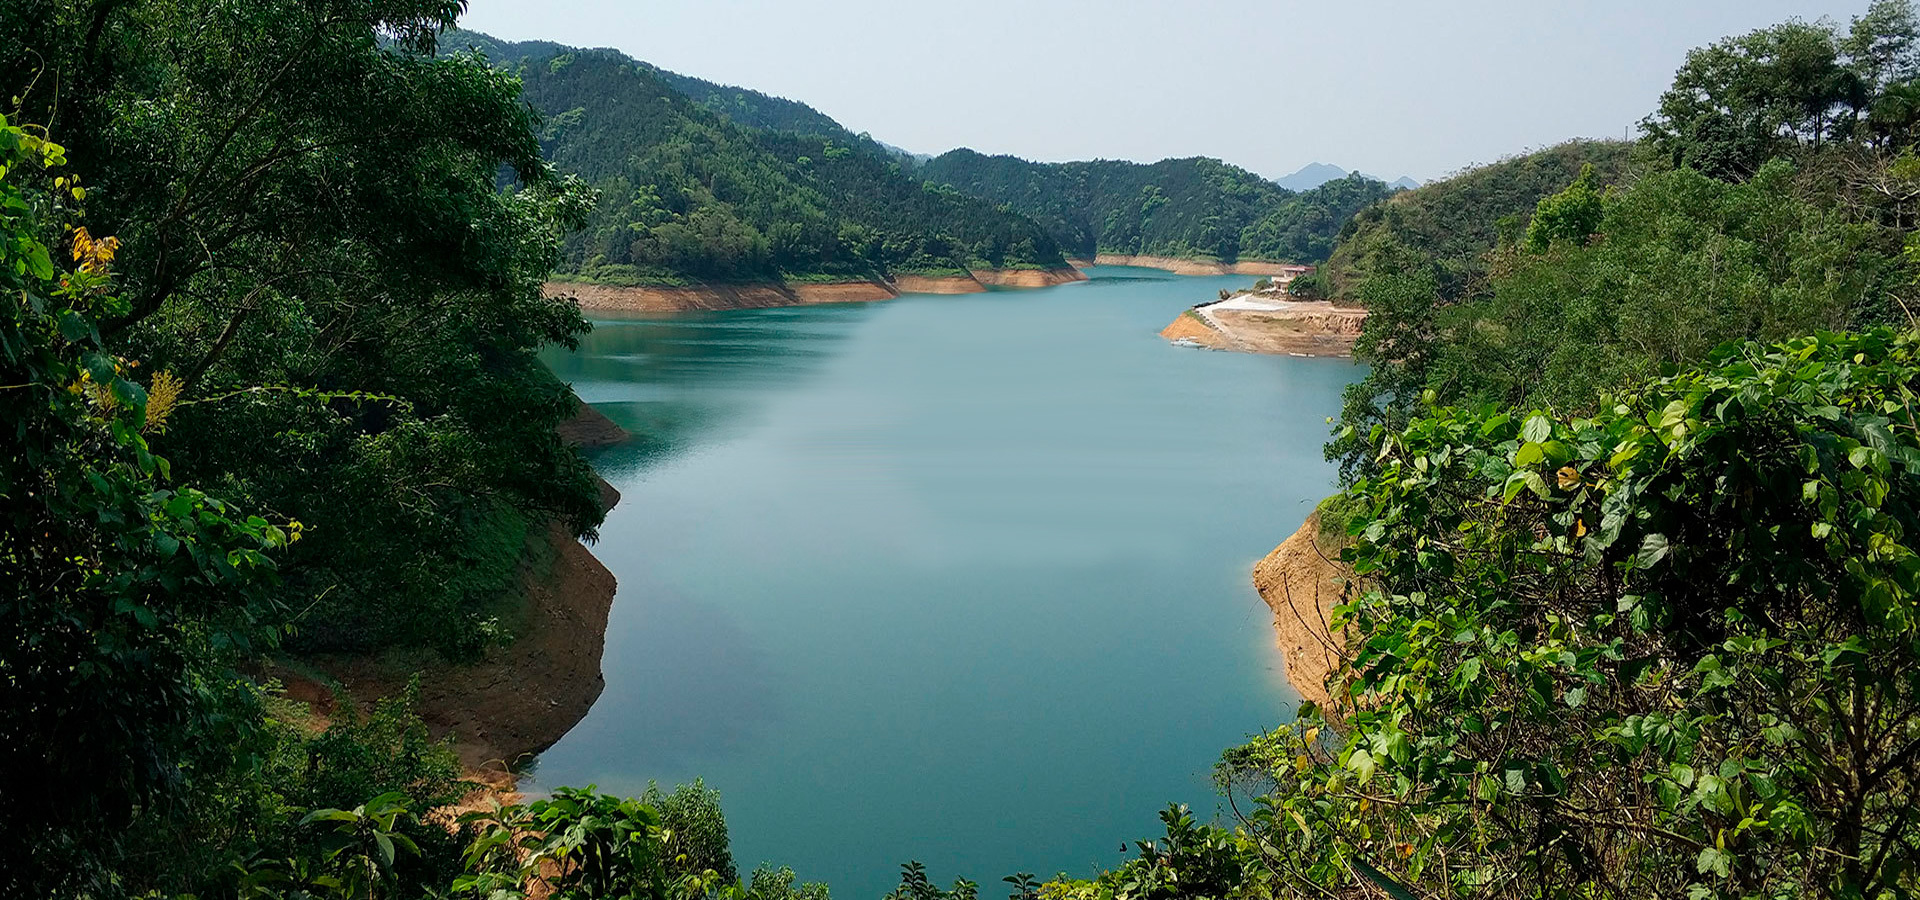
(590, 429)
(1190, 330)
(686, 298)
(1302, 580)
(1179, 266)
(1283, 327)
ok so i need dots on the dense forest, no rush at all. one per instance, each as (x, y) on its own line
(696, 181)
(741, 106)
(1628, 491)
(1187, 208)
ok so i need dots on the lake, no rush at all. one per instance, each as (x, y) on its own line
(957, 579)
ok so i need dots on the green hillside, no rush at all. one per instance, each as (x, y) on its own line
(1192, 208)
(738, 105)
(1450, 225)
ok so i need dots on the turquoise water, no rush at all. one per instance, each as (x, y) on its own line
(956, 579)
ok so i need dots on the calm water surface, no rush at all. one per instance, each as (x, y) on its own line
(955, 579)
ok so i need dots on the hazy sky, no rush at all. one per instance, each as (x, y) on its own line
(1390, 88)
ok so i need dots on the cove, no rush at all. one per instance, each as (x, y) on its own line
(961, 579)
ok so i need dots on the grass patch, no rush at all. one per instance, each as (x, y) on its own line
(1335, 513)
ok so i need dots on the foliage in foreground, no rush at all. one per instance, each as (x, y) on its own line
(315, 251)
(1669, 649)
(125, 598)
(1774, 193)
(1649, 278)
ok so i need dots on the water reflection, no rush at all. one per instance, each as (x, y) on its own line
(678, 382)
(697, 683)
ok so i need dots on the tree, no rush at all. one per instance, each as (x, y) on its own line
(1571, 216)
(1883, 45)
(315, 244)
(1683, 263)
(1788, 89)
(127, 595)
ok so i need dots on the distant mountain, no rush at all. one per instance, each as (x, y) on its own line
(1314, 175)
(1311, 176)
(710, 181)
(1196, 208)
(907, 156)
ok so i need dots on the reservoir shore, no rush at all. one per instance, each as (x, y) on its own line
(516, 700)
(1302, 580)
(713, 297)
(1251, 323)
(768, 295)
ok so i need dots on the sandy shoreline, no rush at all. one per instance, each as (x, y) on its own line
(696, 297)
(1180, 266)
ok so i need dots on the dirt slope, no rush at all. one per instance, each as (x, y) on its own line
(1302, 581)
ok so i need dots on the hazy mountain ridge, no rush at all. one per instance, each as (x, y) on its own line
(1315, 174)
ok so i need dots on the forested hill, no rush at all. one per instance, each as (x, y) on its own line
(613, 120)
(739, 105)
(1449, 226)
(689, 194)
(1190, 208)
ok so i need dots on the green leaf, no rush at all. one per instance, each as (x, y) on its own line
(75, 327)
(38, 263)
(1715, 861)
(100, 366)
(1393, 889)
(1516, 780)
(1537, 429)
(1536, 484)
(1362, 764)
(328, 815)
(1653, 549)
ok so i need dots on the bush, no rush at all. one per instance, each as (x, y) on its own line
(1637, 653)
